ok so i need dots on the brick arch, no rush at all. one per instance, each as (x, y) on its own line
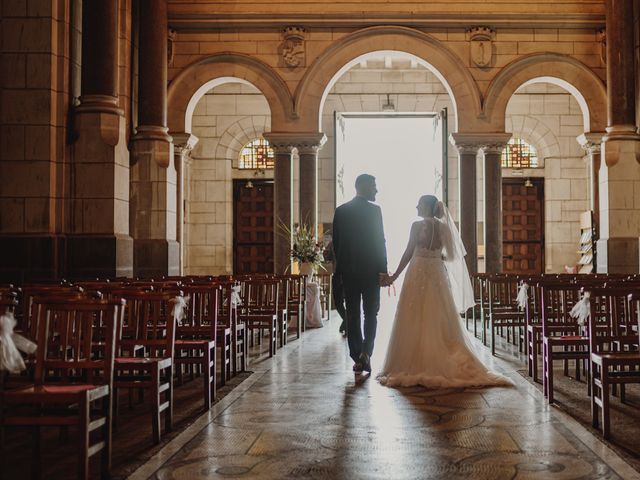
(447, 66)
(186, 89)
(561, 70)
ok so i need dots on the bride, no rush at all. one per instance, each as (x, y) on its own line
(428, 345)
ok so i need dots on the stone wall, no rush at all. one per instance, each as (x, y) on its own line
(228, 117)
(549, 118)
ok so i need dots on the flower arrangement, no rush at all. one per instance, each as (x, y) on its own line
(305, 247)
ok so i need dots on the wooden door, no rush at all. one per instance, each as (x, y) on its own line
(523, 226)
(253, 227)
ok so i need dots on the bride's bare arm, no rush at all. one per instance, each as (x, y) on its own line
(408, 253)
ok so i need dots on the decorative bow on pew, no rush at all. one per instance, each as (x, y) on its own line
(582, 310)
(179, 307)
(11, 344)
(523, 296)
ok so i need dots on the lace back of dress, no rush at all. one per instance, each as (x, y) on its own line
(426, 243)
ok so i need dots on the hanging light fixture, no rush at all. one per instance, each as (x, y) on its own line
(389, 106)
(249, 184)
(528, 183)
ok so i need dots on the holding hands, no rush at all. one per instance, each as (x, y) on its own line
(385, 279)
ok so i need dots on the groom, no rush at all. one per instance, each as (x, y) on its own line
(361, 261)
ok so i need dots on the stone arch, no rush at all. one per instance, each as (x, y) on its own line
(238, 134)
(536, 133)
(196, 79)
(448, 66)
(561, 70)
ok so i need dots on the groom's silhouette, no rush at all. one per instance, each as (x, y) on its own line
(361, 259)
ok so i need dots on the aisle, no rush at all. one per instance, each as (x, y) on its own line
(303, 415)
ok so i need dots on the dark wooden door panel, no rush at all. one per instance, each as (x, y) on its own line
(523, 226)
(253, 227)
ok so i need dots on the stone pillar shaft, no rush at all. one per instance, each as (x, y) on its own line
(309, 188)
(468, 216)
(98, 241)
(468, 146)
(100, 48)
(620, 62)
(308, 157)
(153, 174)
(492, 210)
(152, 63)
(282, 207)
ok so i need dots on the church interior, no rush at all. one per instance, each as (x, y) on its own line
(169, 173)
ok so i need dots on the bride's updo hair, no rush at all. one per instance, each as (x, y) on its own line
(432, 203)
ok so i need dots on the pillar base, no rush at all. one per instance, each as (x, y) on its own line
(27, 258)
(156, 258)
(90, 256)
(618, 255)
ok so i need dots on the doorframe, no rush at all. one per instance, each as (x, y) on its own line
(538, 182)
(236, 182)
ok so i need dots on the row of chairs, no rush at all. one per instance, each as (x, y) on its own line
(591, 320)
(96, 338)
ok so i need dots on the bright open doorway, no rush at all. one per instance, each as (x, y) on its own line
(404, 151)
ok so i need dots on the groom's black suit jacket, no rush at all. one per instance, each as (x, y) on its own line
(358, 238)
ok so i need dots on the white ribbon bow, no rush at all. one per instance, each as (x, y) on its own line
(235, 296)
(179, 306)
(11, 344)
(582, 310)
(523, 296)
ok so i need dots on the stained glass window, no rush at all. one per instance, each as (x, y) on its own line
(519, 154)
(256, 154)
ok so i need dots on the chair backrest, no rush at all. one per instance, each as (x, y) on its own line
(201, 315)
(612, 318)
(76, 340)
(262, 295)
(557, 300)
(149, 321)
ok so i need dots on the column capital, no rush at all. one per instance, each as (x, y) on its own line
(472, 142)
(183, 142)
(465, 143)
(591, 142)
(285, 142)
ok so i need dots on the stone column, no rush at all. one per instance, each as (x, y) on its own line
(182, 147)
(618, 249)
(493, 202)
(468, 217)
(591, 143)
(308, 155)
(283, 199)
(153, 175)
(98, 243)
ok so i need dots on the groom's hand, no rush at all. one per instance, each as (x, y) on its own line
(384, 279)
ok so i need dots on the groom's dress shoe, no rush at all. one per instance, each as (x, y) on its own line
(366, 362)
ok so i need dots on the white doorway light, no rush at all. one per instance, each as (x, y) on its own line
(404, 152)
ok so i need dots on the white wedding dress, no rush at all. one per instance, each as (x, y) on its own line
(428, 344)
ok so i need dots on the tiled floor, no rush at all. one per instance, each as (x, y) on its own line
(304, 415)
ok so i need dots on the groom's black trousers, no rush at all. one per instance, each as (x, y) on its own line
(366, 289)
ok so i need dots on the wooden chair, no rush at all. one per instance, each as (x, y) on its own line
(296, 308)
(196, 336)
(259, 310)
(70, 377)
(228, 316)
(324, 281)
(504, 314)
(149, 323)
(613, 344)
(560, 330)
